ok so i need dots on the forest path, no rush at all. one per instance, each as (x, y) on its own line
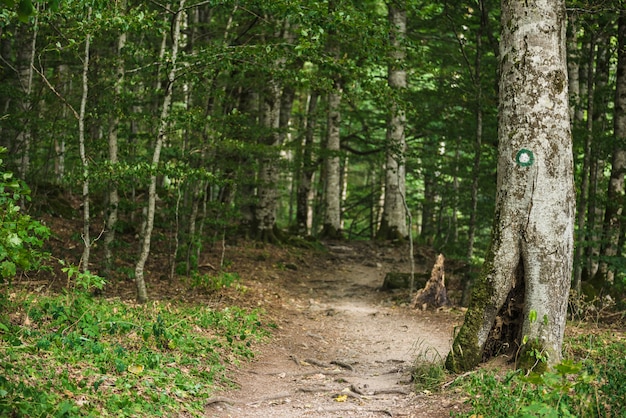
(342, 347)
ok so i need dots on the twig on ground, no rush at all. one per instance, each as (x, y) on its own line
(451, 382)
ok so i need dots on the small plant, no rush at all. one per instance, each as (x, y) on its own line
(213, 283)
(84, 280)
(531, 356)
(429, 371)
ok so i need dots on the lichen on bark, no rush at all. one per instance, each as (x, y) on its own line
(528, 266)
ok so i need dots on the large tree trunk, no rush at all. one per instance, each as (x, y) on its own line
(142, 293)
(393, 224)
(615, 198)
(332, 168)
(331, 173)
(277, 105)
(267, 193)
(520, 299)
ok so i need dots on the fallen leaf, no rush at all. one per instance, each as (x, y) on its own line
(341, 398)
(135, 368)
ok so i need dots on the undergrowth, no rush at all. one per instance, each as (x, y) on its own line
(75, 355)
(588, 384)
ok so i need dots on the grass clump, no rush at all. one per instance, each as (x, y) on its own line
(74, 355)
(588, 384)
(429, 371)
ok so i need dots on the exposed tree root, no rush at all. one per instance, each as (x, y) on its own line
(270, 398)
(317, 363)
(375, 411)
(220, 399)
(342, 365)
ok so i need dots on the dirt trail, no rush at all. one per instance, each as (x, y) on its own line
(342, 348)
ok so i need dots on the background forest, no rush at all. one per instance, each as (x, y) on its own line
(274, 119)
(159, 133)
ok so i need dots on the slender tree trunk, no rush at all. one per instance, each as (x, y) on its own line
(26, 59)
(114, 199)
(83, 157)
(142, 294)
(520, 299)
(595, 209)
(428, 207)
(613, 216)
(59, 143)
(393, 225)
(583, 196)
(471, 234)
(303, 220)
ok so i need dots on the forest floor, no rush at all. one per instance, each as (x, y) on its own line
(342, 346)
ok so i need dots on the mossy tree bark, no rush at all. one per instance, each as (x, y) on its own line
(521, 295)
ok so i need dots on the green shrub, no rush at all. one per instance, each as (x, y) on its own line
(21, 237)
(213, 283)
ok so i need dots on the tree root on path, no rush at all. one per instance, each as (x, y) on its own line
(333, 410)
(317, 337)
(219, 399)
(342, 365)
(317, 363)
(270, 398)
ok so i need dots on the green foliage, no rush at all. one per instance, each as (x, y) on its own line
(21, 237)
(84, 280)
(588, 387)
(80, 356)
(214, 282)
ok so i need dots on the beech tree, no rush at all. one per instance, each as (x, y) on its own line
(520, 298)
(142, 293)
(393, 224)
(332, 165)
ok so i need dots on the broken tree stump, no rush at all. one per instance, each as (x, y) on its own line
(434, 294)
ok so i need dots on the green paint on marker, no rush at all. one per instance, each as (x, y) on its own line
(524, 158)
